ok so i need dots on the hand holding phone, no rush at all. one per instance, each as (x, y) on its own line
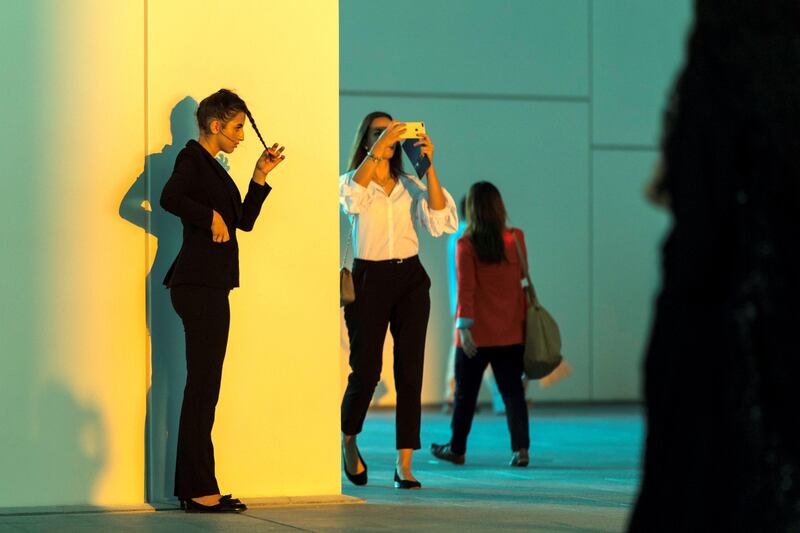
(419, 160)
(426, 146)
(389, 137)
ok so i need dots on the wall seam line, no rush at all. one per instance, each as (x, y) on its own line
(590, 31)
(612, 147)
(465, 96)
(148, 489)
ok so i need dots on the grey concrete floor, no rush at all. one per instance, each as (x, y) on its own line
(583, 478)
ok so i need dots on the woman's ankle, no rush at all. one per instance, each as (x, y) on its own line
(208, 499)
(404, 457)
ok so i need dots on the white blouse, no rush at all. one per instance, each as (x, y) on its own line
(385, 226)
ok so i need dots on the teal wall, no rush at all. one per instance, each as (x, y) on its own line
(558, 102)
(42, 419)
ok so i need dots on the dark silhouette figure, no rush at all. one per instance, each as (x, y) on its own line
(723, 364)
(168, 365)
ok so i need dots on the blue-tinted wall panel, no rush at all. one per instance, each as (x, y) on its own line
(536, 153)
(626, 246)
(470, 46)
(510, 91)
(637, 49)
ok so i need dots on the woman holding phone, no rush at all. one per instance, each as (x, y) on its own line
(386, 208)
(210, 207)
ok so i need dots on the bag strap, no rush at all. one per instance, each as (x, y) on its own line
(524, 265)
(349, 243)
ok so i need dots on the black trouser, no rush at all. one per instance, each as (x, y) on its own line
(394, 294)
(205, 313)
(507, 366)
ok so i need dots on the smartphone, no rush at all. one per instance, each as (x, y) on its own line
(419, 160)
(413, 130)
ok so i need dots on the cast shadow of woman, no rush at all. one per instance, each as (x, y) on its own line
(140, 206)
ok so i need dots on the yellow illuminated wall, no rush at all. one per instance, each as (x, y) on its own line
(98, 98)
(277, 420)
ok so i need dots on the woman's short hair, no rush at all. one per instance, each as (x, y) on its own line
(223, 105)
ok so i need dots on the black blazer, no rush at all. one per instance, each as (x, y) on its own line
(197, 186)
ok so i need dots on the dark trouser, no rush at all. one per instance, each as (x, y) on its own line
(507, 366)
(206, 318)
(393, 294)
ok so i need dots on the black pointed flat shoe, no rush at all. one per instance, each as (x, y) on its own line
(405, 483)
(355, 479)
(228, 497)
(223, 506)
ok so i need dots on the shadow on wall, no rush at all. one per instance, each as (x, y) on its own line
(168, 365)
(78, 453)
(57, 458)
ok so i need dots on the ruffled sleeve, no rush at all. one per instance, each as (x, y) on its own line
(436, 222)
(354, 198)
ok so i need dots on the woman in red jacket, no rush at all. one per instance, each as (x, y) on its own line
(490, 320)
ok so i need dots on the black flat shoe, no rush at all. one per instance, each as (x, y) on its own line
(405, 483)
(223, 506)
(228, 497)
(355, 479)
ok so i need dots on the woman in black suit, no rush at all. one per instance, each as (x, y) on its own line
(210, 207)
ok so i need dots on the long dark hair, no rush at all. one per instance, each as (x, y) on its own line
(359, 150)
(486, 221)
(223, 105)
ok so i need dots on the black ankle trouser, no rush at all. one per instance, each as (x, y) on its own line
(507, 366)
(393, 294)
(205, 313)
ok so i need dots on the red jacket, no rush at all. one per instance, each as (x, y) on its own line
(490, 294)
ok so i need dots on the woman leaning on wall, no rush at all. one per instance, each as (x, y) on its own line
(211, 209)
